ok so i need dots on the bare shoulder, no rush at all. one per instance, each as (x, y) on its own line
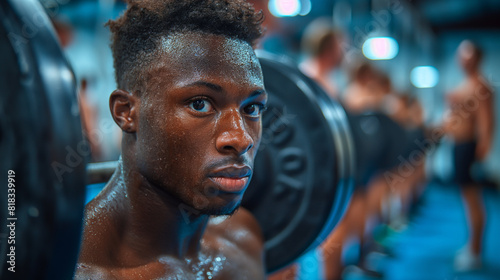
(101, 232)
(240, 238)
(164, 269)
(85, 272)
(241, 228)
(484, 91)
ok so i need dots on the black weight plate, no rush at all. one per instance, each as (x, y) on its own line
(303, 170)
(41, 141)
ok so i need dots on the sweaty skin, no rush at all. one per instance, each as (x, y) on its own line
(196, 123)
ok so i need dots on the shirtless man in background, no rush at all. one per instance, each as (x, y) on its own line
(323, 45)
(470, 123)
(189, 101)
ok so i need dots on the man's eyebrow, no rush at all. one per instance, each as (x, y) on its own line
(205, 84)
(219, 88)
(257, 92)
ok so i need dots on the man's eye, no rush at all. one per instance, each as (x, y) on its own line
(201, 105)
(254, 110)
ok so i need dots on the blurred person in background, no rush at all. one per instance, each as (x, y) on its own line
(361, 95)
(366, 93)
(376, 200)
(404, 109)
(322, 44)
(407, 111)
(469, 122)
(367, 89)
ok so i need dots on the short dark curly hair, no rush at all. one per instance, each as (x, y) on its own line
(138, 32)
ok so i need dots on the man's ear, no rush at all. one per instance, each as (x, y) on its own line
(124, 108)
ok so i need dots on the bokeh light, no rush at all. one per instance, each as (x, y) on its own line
(424, 76)
(380, 48)
(285, 8)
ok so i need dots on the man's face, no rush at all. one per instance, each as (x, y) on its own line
(199, 121)
(466, 56)
(335, 53)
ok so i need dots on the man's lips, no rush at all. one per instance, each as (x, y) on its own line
(231, 179)
(232, 185)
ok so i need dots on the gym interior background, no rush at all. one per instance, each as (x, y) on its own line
(414, 42)
(427, 33)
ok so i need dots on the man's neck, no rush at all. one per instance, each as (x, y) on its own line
(151, 220)
(473, 74)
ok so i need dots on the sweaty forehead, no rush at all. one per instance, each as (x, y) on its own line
(200, 45)
(191, 54)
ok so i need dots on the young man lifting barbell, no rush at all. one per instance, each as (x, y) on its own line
(189, 102)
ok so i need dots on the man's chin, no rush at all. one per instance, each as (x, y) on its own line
(220, 210)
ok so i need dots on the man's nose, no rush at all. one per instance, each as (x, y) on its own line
(234, 136)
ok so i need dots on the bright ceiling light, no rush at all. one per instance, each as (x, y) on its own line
(284, 8)
(380, 48)
(424, 76)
